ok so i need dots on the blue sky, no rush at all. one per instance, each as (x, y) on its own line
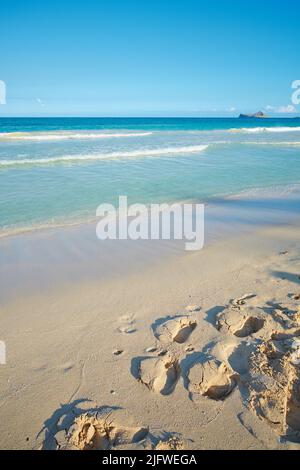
(148, 58)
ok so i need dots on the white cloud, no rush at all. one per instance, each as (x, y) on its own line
(232, 109)
(281, 109)
(40, 102)
(290, 108)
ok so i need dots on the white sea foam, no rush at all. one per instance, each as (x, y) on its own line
(68, 135)
(279, 144)
(258, 130)
(103, 156)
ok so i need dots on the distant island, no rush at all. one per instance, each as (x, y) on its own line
(259, 114)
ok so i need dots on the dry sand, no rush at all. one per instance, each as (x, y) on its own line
(197, 351)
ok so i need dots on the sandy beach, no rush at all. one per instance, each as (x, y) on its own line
(179, 350)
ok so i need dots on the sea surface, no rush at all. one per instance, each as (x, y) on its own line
(56, 171)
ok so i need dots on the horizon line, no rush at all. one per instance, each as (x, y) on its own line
(146, 117)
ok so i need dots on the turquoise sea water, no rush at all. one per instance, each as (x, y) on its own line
(58, 170)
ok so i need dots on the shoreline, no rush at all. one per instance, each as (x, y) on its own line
(68, 222)
(44, 260)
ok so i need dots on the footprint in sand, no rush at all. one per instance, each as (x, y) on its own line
(274, 392)
(240, 322)
(176, 330)
(212, 379)
(128, 325)
(99, 430)
(91, 432)
(160, 374)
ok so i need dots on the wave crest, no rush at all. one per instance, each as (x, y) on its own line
(257, 130)
(103, 156)
(11, 136)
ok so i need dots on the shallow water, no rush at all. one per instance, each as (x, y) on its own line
(58, 170)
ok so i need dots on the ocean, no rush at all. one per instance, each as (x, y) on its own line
(56, 171)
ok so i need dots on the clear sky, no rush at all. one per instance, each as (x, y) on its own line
(148, 57)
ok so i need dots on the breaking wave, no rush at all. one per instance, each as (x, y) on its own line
(258, 130)
(103, 156)
(8, 136)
